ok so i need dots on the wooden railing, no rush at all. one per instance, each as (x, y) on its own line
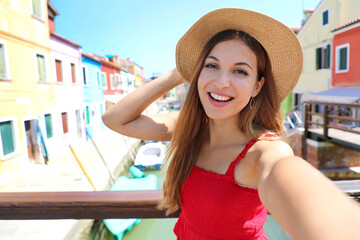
(81, 205)
(333, 115)
(100, 205)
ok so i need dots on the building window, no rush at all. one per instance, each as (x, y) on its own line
(342, 58)
(4, 63)
(325, 17)
(323, 57)
(98, 75)
(87, 115)
(103, 80)
(41, 67)
(7, 138)
(85, 75)
(64, 119)
(73, 73)
(48, 126)
(59, 78)
(112, 82)
(117, 81)
(37, 8)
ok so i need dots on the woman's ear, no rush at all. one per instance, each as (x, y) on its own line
(258, 86)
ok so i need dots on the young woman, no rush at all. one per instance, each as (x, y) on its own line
(229, 162)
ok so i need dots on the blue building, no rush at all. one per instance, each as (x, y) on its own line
(93, 95)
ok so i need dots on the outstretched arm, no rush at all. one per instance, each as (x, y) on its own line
(126, 116)
(306, 203)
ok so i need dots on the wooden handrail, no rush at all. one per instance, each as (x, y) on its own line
(81, 205)
(100, 204)
(350, 119)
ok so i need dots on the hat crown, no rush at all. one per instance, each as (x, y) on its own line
(280, 43)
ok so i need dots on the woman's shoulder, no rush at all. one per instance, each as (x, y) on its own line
(272, 147)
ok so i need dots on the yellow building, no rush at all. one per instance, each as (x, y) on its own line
(316, 37)
(26, 88)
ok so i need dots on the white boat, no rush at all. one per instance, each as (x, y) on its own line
(150, 156)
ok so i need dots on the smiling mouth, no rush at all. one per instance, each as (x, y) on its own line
(220, 98)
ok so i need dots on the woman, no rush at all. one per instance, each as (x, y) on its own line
(229, 164)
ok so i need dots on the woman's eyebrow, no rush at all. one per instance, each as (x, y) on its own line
(238, 63)
(244, 63)
(212, 57)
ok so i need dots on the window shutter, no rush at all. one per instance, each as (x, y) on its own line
(84, 75)
(87, 110)
(2, 61)
(64, 122)
(328, 54)
(48, 125)
(73, 73)
(343, 59)
(41, 67)
(325, 17)
(36, 8)
(58, 71)
(318, 58)
(7, 138)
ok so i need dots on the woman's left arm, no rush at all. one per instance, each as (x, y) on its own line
(302, 200)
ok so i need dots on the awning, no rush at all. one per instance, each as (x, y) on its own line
(113, 98)
(344, 95)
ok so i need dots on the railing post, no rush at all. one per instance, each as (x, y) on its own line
(326, 122)
(306, 129)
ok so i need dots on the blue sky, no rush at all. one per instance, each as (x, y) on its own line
(147, 31)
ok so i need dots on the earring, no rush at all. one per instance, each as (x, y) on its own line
(252, 102)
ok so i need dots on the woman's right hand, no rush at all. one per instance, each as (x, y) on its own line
(126, 117)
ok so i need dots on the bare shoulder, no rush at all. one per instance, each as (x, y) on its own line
(271, 152)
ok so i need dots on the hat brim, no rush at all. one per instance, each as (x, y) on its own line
(280, 43)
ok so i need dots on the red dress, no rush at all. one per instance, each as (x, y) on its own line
(214, 206)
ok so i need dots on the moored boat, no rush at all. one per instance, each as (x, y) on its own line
(150, 156)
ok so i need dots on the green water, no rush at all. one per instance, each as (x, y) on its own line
(153, 229)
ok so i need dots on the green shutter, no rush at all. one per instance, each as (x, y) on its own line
(326, 17)
(37, 8)
(328, 55)
(343, 59)
(2, 61)
(103, 80)
(87, 115)
(318, 58)
(48, 125)
(7, 137)
(41, 67)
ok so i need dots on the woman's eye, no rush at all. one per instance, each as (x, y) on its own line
(240, 71)
(210, 65)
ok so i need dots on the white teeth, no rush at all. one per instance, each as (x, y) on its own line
(219, 97)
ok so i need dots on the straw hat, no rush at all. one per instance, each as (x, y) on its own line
(280, 43)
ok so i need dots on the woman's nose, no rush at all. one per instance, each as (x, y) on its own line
(222, 80)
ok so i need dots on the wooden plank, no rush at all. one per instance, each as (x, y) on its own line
(81, 205)
(350, 119)
(343, 129)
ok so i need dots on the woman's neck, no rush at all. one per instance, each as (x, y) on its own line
(225, 132)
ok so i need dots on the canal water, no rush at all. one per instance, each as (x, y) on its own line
(162, 229)
(153, 229)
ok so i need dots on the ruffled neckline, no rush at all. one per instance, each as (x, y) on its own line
(226, 177)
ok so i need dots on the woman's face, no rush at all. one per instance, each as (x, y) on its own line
(228, 79)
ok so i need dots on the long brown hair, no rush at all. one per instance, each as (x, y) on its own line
(192, 123)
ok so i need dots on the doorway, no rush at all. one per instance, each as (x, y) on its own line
(35, 144)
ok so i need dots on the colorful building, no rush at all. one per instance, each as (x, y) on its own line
(346, 55)
(135, 69)
(316, 38)
(64, 124)
(111, 81)
(93, 94)
(26, 88)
